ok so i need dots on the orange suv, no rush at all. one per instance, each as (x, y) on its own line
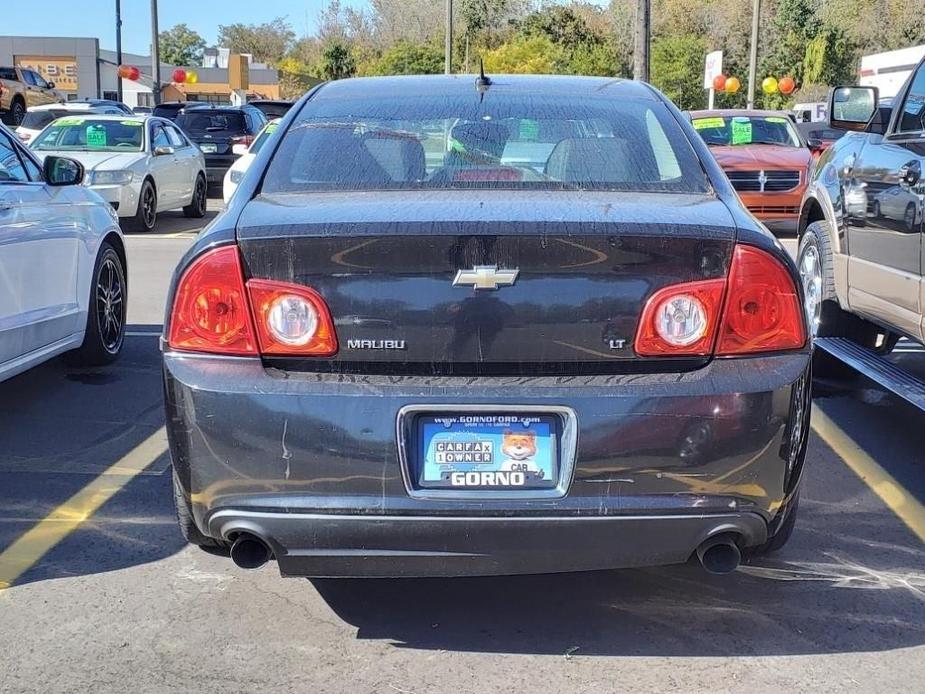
(766, 159)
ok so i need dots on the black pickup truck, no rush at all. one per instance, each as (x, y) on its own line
(861, 251)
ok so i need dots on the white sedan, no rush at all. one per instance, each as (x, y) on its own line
(234, 175)
(62, 264)
(140, 165)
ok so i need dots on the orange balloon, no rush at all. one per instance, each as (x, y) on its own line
(732, 85)
(786, 85)
(719, 82)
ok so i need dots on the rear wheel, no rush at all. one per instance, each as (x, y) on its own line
(185, 521)
(197, 206)
(105, 330)
(146, 215)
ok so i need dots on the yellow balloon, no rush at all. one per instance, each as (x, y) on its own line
(732, 85)
(769, 85)
(192, 77)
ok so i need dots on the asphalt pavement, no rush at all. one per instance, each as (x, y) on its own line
(107, 598)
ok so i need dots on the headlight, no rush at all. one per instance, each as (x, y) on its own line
(110, 177)
(236, 176)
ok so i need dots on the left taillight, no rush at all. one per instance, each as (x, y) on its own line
(242, 140)
(215, 311)
(756, 309)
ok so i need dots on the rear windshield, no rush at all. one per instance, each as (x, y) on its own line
(747, 130)
(511, 141)
(91, 135)
(36, 120)
(232, 121)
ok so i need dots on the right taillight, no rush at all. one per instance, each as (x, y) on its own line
(756, 309)
(215, 311)
(762, 311)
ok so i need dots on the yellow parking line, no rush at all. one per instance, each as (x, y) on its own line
(26, 551)
(909, 509)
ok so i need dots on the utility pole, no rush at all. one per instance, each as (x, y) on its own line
(118, 49)
(753, 55)
(641, 47)
(155, 55)
(448, 62)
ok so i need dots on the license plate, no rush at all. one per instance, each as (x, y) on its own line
(488, 451)
(209, 149)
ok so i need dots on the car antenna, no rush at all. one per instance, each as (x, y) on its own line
(482, 82)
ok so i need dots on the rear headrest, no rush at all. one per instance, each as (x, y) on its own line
(591, 159)
(337, 155)
(401, 157)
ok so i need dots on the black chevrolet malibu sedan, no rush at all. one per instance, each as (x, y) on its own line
(466, 326)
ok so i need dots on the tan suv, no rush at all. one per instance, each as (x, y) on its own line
(22, 88)
(861, 240)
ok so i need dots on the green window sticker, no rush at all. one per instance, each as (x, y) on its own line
(271, 128)
(96, 136)
(704, 123)
(70, 120)
(133, 123)
(741, 131)
(775, 119)
(529, 129)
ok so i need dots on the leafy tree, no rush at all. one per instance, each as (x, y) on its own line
(406, 58)
(337, 62)
(601, 59)
(268, 42)
(525, 55)
(561, 25)
(295, 77)
(677, 69)
(180, 45)
(482, 19)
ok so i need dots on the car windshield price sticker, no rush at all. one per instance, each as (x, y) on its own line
(96, 136)
(489, 451)
(704, 123)
(741, 131)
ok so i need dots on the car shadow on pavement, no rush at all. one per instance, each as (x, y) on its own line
(61, 427)
(173, 223)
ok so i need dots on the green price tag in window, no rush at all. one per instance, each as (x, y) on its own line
(529, 129)
(705, 123)
(96, 136)
(741, 131)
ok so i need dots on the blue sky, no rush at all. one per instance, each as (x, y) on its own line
(96, 18)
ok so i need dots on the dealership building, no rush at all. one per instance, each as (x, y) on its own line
(82, 70)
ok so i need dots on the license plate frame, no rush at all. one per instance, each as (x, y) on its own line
(411, 441)
(208, 148)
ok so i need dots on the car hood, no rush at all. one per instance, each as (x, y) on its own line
(761, 156)
(98, 161)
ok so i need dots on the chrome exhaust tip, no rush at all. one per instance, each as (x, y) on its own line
(249, 551)
(719, 555)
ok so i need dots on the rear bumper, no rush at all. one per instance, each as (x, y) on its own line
(325, 545)
(310, 462)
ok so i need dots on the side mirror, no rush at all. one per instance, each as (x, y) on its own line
(851, 108)
(61, 171)
(161, 151)
(815, 144)
(239, 149)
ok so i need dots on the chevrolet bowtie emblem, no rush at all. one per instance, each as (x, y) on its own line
(485, 277)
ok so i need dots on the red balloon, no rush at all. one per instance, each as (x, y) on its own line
(719, 82)
(179, 75)
(786, 85)
(133, 73)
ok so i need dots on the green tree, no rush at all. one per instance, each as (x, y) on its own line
(677, 69)
(268, 42)
(337, 62)
(561, 25)
(525, 55)
(406, 58)
(483, 19)
(180, 45)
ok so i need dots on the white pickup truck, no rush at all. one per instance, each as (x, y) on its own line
(21, 89)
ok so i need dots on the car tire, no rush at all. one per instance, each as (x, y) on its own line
(104, 334)
(197, 207)
(815, 251)
(776, 542)
(146, 215)
(16, 113)
(185, 521)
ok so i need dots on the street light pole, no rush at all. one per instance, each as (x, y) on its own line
(155, 55)
(641, 43)
(118, 48)
(448, 61)
(753, 55)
